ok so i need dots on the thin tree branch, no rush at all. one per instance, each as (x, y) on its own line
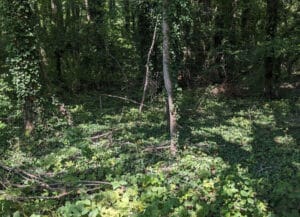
(146, 83)
(54, 185)
(122, 98)
(26, 175)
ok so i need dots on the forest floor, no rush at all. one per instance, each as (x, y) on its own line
(237, 157)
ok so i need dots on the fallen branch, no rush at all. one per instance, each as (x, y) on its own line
(55, 197)
(26, 175)
(123, 98)
(54, 186)
(96, 137)
(88, 183)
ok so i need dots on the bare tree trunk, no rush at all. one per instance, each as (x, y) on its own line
(167, 80)
(87, 8)
(146, 83)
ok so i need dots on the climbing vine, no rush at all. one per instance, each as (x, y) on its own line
(23, 60)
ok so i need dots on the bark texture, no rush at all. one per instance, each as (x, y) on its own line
(167, 81)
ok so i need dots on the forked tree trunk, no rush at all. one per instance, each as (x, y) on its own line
(167, 80)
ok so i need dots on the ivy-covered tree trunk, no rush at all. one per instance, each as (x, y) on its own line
(167, 80)
(23, 56)
(271, 26)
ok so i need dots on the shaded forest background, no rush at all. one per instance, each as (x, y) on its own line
(74, 75)
(94, 45)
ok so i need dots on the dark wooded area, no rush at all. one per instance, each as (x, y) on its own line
(149, 108)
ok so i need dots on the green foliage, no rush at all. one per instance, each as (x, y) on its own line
(211, 41)
(6, 104)
(23, 60)
(94, 155)
(6, 111)
(238, 157)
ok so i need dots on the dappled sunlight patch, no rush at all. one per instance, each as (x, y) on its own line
(285, 141)
(232, 134)
(266, 121)
(232, 155)
(235, 135)
(241, 122)
(77, 109)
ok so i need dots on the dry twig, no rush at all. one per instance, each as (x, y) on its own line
(54, 186)
(146, 83)
(122, 98)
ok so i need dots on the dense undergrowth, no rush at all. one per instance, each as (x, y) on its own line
(237, 157)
